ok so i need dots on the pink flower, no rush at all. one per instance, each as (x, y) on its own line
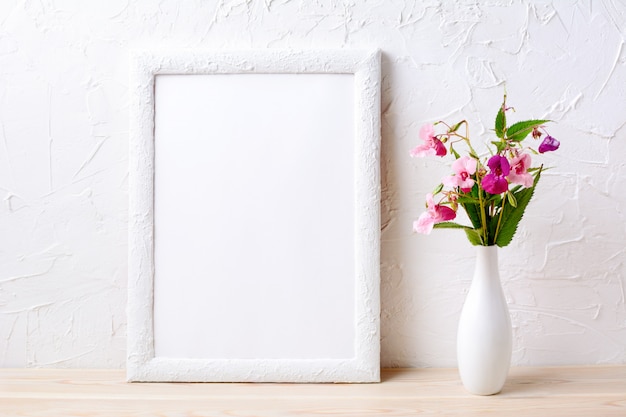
(495, 182)
(464, 168)
(519, 168)
(431, 145)
(436, 214)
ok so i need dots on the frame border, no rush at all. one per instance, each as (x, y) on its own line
(142, 365)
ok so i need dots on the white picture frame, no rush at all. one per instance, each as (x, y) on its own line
(200, 306)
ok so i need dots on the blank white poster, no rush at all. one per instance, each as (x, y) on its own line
(254, 211)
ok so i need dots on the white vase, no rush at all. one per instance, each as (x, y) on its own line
(484, 342)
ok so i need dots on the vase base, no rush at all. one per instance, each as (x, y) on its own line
(483, 393)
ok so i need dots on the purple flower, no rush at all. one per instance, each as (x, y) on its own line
(495, 182)
(549, 144)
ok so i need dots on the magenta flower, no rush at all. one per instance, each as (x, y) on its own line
(463, 168)
(495, 182)
(549, 144)
(436, 214)
(431, 145)
(519, 171)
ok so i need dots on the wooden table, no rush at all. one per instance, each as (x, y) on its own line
(595, 391)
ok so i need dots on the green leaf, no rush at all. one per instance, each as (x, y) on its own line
(473, 236)
(518, 131)
(511, 216)
(454, 152)
(450, 225)
(512, 199)
(467, 199)
(499, 146)
(489, 198)
(491, 229)
(500, 122)
(472, 210)
(438, 189)
(470, 203)
(455, 127)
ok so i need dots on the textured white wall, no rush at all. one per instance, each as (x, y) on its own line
(63, 163)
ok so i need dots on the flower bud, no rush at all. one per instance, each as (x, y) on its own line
(549, 144)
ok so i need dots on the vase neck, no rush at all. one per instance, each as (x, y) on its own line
(487, 263)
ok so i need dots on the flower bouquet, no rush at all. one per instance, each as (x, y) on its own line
(495, 190)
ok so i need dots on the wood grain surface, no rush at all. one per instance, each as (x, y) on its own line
(598, 391)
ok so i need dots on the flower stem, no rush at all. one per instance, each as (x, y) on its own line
(483, 218)
(495, 237)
